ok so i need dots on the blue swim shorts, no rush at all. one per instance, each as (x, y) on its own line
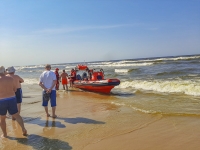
(8, 104)
(18, 94)
(52, 99)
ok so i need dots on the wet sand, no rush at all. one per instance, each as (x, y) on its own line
(89, 121)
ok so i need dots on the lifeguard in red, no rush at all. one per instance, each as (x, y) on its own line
(63, 77)
(73, 77)
(57, 77)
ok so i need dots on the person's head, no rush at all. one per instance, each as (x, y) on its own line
(72, 70)
(2, 70)
(63, 70)
(10, 70)
(48, 67)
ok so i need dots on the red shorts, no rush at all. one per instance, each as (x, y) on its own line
(64, 81)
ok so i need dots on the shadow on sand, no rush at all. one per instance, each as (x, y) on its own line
(42, 143)
(43, 123)
(81, 120)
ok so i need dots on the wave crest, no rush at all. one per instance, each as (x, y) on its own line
(174, 86)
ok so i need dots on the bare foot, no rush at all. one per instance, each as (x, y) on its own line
(3, 136)
(54, 116)
(48, 115)
(7, 116)
(24, 131)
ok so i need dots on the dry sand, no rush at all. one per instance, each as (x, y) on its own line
(89, 121)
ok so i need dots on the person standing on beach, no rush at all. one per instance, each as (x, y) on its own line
(18, 80)
(72, 77)
(58, 78)
(8, 102)
(48, 82)
(63, 77)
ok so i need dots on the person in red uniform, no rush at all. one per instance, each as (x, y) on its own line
(72, 77)
(57, 77)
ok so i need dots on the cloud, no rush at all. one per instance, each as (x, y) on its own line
(83, 28)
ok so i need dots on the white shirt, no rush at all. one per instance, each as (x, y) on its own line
(47, 78)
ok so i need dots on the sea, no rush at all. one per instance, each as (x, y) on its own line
(157, 85)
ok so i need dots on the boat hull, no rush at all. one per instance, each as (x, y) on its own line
(103, 86)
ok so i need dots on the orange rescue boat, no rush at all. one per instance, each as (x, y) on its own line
(93, 80)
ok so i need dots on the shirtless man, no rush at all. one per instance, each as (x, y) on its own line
(18, 80)
(63, 77)
(8, 102)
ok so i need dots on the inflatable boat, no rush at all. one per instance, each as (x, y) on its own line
(93, 80)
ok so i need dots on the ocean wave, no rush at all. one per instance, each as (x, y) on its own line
(169, 73)
(29, 67)
(177, 58)
(135, 108)
(141, 62)
(173, 86)
(167, 112)
(31, 81)
(163, 113)
(122, 65)
(193, 75)
(162, 59)
(187, 57)
(99, 63)
(124, 70)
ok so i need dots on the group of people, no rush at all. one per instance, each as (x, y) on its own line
(11, 93)
(10, 98)
(63, 78)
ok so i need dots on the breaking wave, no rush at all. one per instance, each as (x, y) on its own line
(121, 65)
(174, 86)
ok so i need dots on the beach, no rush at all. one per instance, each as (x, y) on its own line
(88, 121)
(155, 107)
(132, 67)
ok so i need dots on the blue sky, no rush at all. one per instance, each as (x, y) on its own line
(62, 31)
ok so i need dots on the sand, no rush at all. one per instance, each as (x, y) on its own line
(89, 121)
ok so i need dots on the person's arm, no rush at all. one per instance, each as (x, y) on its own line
(53, 85)
(14, 85)
(61, 76)
(42, 85)
(20, 80)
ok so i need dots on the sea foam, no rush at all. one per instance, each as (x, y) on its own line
(31, 81)
(122, 70)
(170, 86)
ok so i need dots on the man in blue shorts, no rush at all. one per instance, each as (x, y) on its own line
(47, 82)
(18, 80)
(8, 102)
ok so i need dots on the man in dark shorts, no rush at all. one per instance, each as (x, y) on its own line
(8, 102)
(18, 80)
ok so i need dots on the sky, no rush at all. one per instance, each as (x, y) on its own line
(34, 32)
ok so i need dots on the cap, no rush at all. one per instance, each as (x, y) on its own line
(2, 69)
(57, 69)
(10, 69)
